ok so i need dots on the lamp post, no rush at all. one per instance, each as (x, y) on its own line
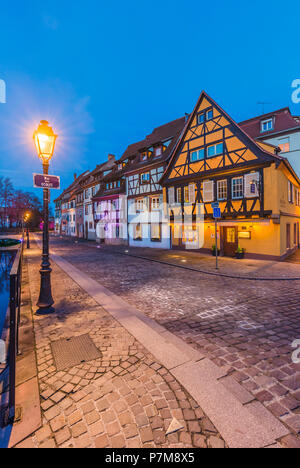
(27, 217)
(44, 139)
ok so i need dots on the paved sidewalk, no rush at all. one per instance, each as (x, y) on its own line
(123, 399)
(247, 325)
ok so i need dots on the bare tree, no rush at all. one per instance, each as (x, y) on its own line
(6, 197)
(15, 203)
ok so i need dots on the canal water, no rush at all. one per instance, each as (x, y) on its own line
(6, 261)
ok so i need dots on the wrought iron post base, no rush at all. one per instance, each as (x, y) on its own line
(45, 301)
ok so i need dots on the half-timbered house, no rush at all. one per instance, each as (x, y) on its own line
(145, 163)
(92, 184)
(257, 190)
(110, 207)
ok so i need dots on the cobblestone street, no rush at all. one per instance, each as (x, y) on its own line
(123, 399)
(249, 325)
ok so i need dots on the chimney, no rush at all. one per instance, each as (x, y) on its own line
(75, 176)
(111, 157)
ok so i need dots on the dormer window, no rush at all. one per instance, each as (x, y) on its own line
(158, 151)
(144, 156)
(120, 167)
(266, 125)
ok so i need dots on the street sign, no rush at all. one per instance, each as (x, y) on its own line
(215, 205)
(217, 213)
(46, 181)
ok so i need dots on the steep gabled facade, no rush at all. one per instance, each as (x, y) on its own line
(216, 161)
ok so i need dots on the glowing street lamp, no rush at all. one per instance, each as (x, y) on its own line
(26, 219)
(44, 139)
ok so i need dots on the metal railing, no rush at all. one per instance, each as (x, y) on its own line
(14, 321)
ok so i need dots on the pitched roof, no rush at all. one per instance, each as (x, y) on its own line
(159, 135)
(253, 143)
(283, 120)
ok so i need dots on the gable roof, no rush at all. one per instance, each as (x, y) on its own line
(158, 135)
(282, 118)
(250, 141)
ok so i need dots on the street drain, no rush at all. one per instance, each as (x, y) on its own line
(73, 351)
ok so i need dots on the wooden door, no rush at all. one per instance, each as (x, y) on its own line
(230, 240)
(176, 236)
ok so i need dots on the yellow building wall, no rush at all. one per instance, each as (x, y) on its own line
(276, 199)
(265, 239)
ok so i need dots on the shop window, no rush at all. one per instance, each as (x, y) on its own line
(288, 236)
(155, 232)
(138, 232)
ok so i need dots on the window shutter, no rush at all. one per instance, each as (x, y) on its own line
(251, 185)
(208, 191)
(171, 196)
(192, 197)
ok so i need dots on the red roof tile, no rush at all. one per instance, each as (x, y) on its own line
(283, 120)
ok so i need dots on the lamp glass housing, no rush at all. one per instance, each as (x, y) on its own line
(44, 139)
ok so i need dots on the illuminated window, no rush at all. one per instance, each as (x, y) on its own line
(144, 156)
(238, 187)
(290, 192)
(186, 195)
(158, 151)
(140, 205)
(155, 203)
(197, 155)
(179, 195)
(288, 236)
(222, 189)
(155, 232)
(284, 145)
(138, 232)
(266, 125)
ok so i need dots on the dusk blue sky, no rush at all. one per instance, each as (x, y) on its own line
(106, 73)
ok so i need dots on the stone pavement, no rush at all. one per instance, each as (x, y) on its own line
(248, 325)
(123, 399)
